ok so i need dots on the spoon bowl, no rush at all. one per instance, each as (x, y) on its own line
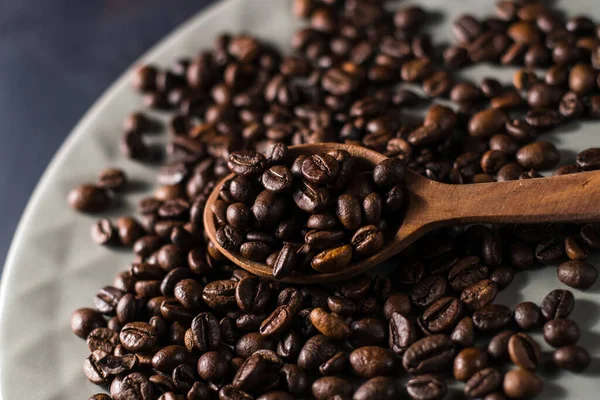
(432, 205)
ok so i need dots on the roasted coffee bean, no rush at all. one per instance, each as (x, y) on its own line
(138, 336)
(316, 351)
(220, 295)
(550, 251)
(577, 274)
(397, 302)
(590, 234)
(331, 387)
(86, 320)
(333, 259)
(330, 325)
(469, 361)
(502, 276)
(252, 294)
(367, 240)
(88, 198)
(430, 354)
(104, 339)
(482, 383)
(538, 155)
(589, 159)
(561, 332)
(310, 198)
(107, 299)
(251, 342)
(426, 387)
(371, 361)
(479, 294)
(205, 332)
(320, 168)
(246, 163)
(170, 357)
(348, 211)
(464, 332)
(575, 249)
(467, 272)
(527, 315)
(278, 178)
(521, 384)
(557, 304)
(498, 346)
(572, 358)
(367, 332)
(335, 365)
(491, 317)
(380, 387)
(428, 290)
(278, 321)
(402, 333)
(524, 351)
(442, 315)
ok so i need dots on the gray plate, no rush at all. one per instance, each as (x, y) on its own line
(53, 267)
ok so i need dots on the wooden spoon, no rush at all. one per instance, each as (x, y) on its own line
(432, 205)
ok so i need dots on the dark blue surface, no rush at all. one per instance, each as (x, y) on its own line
(56, 59)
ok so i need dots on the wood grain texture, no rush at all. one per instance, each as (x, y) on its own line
(431, 205)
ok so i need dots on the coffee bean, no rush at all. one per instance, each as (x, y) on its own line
(463, 333)
(348, 211)
(398, 302)
(577, 274)
(102, 339)
(367, 240)
(442, 315)
(561, 332)
(502, 276)
(220, 295)
(527, 315)
(138, 336)
(589, 159)
(524, 351)
(491, 317)
(402, 333)
(316, 351)
(428, 290)
(479, 294)
(572, 358)
(426, 387)
(278, 321)
(371, 361)
(520, 383)
(330, 387)
(430, 354)
(333, 259)
(538, 155)
(380, 387)
(329, 325)
(467, 272)
(469, 361)
(557, 304)
(575, 249)
(88, 198)
(590, 233)
(483, 382)
(309, 198)
(320, 168)
(86, 320)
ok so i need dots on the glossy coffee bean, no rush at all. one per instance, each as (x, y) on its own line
(572, 358)
(88, 198)
(557, 304)
(527, 315)
(561, 332)
(577, 274)
(520, 384)
(426, 387)
(469, 361)
(431, 354)
(524, 351)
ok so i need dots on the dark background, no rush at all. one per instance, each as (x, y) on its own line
(56, 59)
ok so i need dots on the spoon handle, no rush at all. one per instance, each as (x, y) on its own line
(566, 198)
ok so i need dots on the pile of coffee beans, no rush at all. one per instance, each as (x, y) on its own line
(184, 323)
(316, 211)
